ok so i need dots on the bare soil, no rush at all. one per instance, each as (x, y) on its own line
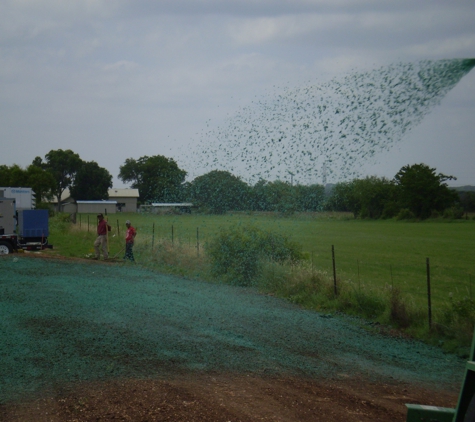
(221, 397)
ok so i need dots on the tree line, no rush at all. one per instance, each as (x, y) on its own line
(58, 171)
(416, 191)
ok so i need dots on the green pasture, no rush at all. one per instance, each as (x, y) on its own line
(368, 254)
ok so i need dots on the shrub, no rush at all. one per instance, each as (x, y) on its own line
(235, 253)
(462, 310)
(60, 223)
(453, 213)
(390, 210)
(368, 304)
(398, 312)
(45, 206)
(458, 320)
(405, 214)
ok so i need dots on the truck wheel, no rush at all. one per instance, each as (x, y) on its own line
(5, 248)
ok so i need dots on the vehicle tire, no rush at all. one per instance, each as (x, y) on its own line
(5, 248)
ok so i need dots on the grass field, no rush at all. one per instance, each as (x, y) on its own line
(367, 253)
(381, 266)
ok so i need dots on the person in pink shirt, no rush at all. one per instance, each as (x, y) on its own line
(129, 241)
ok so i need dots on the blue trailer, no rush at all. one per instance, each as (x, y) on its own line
(23, 229)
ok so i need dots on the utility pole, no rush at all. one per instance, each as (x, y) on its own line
(291, 178)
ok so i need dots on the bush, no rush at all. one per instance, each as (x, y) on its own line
(454, 213)
(60, 223)
(460, 310)
(368, 304)
(398, 312)
(45, 206)
(405, 214)
(458, 319)
(235, 253)
(390, 210)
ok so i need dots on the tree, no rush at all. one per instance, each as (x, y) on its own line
(467, 201)
(343, 198)
(273, 196)
(309, 198)
(373, 197)
(63, 165)
(13, 176)
(220, 191)
(157, 178)
(40, 181)
(421, 190)
(4, 175)
(259, 199)
(91, 182)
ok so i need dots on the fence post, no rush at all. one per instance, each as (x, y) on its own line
(428, 292)
(153, 234)
(359, 281)
(118, 230)
(334, 270)
(172, 234)
(198, 241)
(470, 285)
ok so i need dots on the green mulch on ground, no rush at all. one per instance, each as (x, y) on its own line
(64, 321)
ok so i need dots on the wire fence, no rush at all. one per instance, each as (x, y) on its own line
(434, 283)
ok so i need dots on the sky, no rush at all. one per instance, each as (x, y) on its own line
(119, 79)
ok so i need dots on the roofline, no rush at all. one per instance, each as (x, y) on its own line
(170, 204)
(96, 202)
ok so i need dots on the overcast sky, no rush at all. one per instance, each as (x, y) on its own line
(121, 79)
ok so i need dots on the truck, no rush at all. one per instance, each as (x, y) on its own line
(24, 229)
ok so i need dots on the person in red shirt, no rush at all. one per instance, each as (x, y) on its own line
(129, 241)
(101, 241)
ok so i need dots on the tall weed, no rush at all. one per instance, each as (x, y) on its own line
(236, 252)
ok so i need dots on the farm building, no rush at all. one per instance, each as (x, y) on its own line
(167, 208)
(124, 200)
(96, 207)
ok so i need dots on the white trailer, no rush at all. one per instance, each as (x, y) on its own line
(24, 197)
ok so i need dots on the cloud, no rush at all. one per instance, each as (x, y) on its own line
(453, 46)
(74, 73)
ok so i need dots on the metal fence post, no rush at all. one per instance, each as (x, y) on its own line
(334, 271)
(153, 234)
(198, 241)
(428, 292)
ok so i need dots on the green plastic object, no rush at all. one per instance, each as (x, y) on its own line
(421, 413)
(465, 410)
